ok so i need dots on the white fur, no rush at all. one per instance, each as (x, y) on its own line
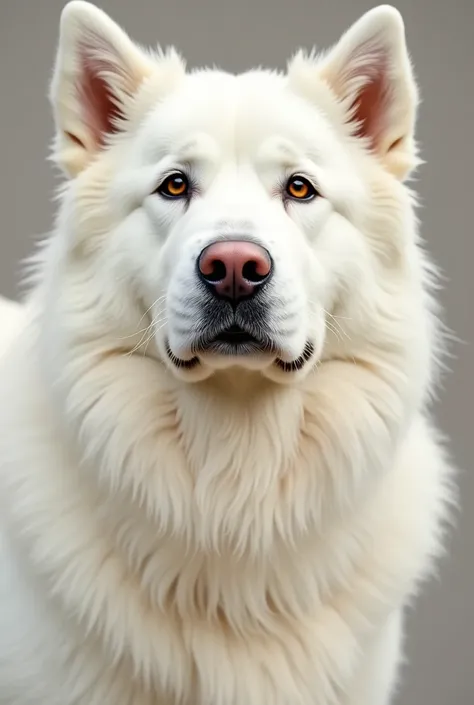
(231, 535)
(11, 322)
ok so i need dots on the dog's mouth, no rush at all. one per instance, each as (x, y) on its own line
(235, 341)
(235, 335)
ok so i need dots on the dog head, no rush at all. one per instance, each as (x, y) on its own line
(233, 221)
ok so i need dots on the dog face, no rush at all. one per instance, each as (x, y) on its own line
(237, 213)
(242, 240)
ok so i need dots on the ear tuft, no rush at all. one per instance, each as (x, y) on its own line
(98, 71)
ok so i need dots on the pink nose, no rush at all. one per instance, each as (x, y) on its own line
(234, 269)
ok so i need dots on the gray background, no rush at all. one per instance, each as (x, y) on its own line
(239, 34)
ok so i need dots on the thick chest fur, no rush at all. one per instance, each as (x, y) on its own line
(162, 581)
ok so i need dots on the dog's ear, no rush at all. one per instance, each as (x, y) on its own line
(98, 71)
(369, 71)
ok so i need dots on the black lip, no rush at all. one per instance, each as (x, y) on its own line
(179, 363)
(299, 363)
(235, 335)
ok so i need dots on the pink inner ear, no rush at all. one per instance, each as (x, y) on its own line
(99, 108)
(371, 105)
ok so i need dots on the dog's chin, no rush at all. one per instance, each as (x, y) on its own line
(241, 356)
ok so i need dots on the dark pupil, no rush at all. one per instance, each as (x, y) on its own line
(298, 185)
(177, 183)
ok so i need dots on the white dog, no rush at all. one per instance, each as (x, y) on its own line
(219, 481)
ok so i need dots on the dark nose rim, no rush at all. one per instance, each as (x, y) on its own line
(257, 285)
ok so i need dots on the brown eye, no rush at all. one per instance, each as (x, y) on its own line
(300, 189)
(174, 186)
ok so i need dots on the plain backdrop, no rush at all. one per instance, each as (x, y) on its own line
(238, 35)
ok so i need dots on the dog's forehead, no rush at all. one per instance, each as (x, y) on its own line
(245, 113)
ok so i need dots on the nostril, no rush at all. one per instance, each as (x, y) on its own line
(213, 270)
(255, 272)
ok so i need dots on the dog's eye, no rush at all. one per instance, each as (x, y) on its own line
(174, 186)
(300, 189)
